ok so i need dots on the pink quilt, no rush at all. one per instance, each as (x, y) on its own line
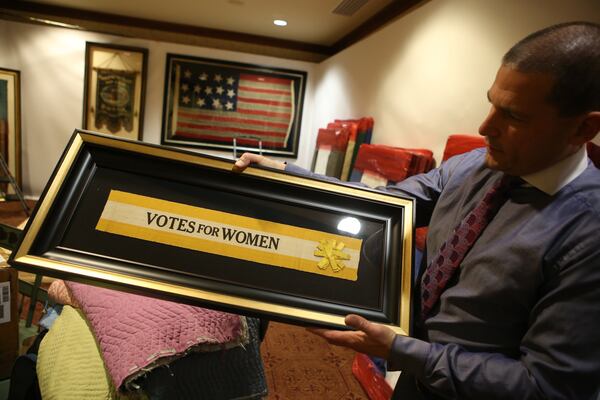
(137, 333)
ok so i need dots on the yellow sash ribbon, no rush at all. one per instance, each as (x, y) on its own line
(230, 235)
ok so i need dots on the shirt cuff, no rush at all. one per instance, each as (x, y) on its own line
(296, 169)
(409, 355)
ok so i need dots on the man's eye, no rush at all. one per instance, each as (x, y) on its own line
(513, 116)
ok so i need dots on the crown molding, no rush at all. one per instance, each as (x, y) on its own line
(114, 24)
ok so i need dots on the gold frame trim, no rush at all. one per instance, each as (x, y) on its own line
(82, 137)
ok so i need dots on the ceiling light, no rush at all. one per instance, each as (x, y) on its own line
(280, 22)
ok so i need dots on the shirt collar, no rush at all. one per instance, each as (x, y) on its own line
(557, 176)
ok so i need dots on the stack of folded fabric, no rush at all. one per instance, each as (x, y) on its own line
(364, 132)
(108, 344)
(380, 165)
(352, 128)
(330, 151)
(338, 144)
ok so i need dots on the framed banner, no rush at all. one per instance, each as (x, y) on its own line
(174, 224)
(10, 128)
(114, 90)
(230, 106)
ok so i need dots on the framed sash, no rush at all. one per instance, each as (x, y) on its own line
(174, 224)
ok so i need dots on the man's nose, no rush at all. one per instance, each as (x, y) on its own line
(489, 126)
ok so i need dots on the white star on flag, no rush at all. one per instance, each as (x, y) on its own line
(230, 81)
(229, 105)
(230, 92)
(220, 90)
(218, 77)
(188, 73)
(200, 102)
(203, 76)
(185, 99)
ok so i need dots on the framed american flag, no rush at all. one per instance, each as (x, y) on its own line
(227, 106)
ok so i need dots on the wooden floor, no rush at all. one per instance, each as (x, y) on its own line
(298, 365)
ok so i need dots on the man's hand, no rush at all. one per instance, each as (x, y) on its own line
(369, 338)
(250, 158)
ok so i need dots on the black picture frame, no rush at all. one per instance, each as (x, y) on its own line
(230, 106)
(114, 89)
(65, 237)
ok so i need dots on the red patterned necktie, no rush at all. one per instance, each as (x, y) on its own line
(453, 251)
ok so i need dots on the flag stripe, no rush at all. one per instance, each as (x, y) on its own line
(265, 113)
(193, 118)
(240, 141)
(267, 102)
(265, 79)
(259, 90)
(282, 111)
(230, 128)
(250, 114)
(266, 96)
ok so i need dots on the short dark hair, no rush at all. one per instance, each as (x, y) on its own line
(571, 53)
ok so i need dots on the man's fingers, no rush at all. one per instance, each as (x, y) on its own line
(245, 160)
(375, 331)
(248, 158)
(340, 338)
(357, 322)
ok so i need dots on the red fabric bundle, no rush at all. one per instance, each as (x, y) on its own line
(370, 378)
(390, 162)
(335, 138)
(352, 137)
(422, 161)
(393, 163)
(458, 144)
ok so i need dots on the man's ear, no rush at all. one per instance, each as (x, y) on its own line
(588, 128)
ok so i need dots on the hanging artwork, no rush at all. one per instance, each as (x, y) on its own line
(10, 130)
(228, 106)
(114, 90)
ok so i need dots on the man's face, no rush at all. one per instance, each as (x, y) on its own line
(524, 133)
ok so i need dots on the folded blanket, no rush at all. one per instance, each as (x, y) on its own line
(136, 333)
(69, 365)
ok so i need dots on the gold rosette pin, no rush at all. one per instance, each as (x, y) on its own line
(331, 251)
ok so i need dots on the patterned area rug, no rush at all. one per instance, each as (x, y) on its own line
(300, 366)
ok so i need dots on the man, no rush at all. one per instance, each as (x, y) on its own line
(519, 316)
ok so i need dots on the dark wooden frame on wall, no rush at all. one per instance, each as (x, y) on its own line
(13, 126)
(136, 54)
(200, 133)
(62, 237)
